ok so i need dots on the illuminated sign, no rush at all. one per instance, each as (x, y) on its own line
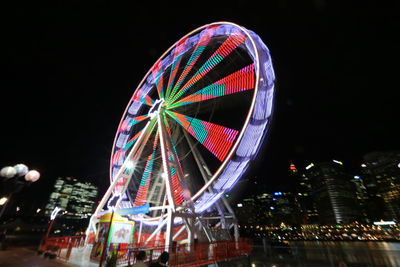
(135, 210)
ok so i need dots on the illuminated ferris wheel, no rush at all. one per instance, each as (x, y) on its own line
(193, 124)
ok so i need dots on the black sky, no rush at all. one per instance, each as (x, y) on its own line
(70, 69)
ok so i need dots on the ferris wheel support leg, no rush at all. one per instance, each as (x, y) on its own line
(168, 232)
(206, 174)
(235, 221)
(140, 232)
(156, 231)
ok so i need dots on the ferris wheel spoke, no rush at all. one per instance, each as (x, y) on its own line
(216, 138)
(198, 50)
(238, 81)
(142, 97)
(178, 53)
(223, 51)
(176, 174)
(142, 192)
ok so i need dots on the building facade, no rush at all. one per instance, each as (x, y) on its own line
(333, 193)
(76, 199)
(381, 172)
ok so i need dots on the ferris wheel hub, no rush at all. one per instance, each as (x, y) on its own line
(155, 109)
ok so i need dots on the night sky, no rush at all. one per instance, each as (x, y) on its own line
(69, 71)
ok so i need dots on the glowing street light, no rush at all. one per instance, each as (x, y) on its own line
(32, 176)
(54, 213)
(53, 216)
(3, 200)
(13, 175)
(8, 172)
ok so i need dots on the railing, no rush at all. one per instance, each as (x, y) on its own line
(61, 247)
(180, 255)
(183, 255)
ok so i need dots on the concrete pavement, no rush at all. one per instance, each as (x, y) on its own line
(25, 257)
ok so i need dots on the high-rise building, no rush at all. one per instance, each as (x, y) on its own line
(362, 197)
(76, 199)
(333, 192)
(381, 171)
(306, 207)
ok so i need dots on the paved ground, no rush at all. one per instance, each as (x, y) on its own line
(25, 257)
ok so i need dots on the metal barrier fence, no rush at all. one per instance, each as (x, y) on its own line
(197, 254)
(61, 247)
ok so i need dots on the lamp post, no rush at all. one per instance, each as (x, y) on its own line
(13, 180)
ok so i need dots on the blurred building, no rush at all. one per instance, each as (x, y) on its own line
(381, 172)
(362, 198)
(333, 193)
(305, 205)
(267, 209)
(76, 199)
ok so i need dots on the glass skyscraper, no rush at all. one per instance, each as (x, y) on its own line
(76, 199)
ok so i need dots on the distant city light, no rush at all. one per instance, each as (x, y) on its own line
(278, 194)
(3, 201)
(356, 177)
(365, 165)
(398, 165)
(240, 205)
(310, 166)
(293, 167)
(18, 209)
(385, 223)
(38, 210)
(338, 162)
(272, 208)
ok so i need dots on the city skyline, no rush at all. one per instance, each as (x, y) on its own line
(70, 80)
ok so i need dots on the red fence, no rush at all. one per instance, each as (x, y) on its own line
(62, 246)
(181, 255)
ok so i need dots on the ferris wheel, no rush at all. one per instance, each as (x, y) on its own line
(193, 124)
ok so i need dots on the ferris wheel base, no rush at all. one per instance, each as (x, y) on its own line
(176, 228)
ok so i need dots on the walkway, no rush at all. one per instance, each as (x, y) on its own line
(25, 257)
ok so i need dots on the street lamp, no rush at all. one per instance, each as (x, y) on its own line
(13, 180)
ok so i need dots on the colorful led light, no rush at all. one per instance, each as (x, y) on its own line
(224, 50)
(141, 196)
(216, 138)
(198, 50)
(238, 81)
